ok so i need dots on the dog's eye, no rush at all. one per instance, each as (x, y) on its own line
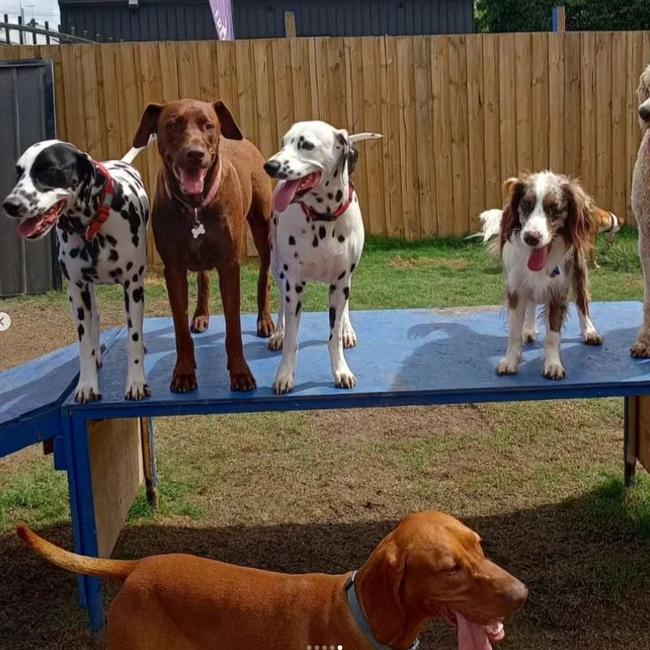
(309, 146)
(208, 126)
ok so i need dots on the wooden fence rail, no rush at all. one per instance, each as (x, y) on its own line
(459, 114)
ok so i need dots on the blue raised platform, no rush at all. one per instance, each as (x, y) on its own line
(403, 357)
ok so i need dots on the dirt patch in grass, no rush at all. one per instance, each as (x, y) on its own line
(404, 263)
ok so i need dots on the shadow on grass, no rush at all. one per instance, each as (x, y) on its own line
(585, 561)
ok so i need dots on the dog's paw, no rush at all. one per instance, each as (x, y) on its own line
(86, 392)
(640, 349)
(199, 323)
(276, 341)
(283, 382)
(265, 327)
(529, 336)
(183, 381)
(137, 390)
(349, 338)
(554, 370)
(345, 379)
(507, 366)
(592, 337)
(242, 380)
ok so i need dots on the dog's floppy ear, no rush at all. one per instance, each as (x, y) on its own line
(514, 189)
(84, 170)
(383, 579)
(148, 125)
(580, 218)
(353, 159)
(229, 128)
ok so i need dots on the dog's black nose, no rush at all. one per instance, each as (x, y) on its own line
(195, 155)
(272, 167)
(532, 238)
(11, 208)
(644, 113)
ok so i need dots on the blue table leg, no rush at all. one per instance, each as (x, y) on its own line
(83, 515)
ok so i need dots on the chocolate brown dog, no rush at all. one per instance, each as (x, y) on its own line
(212, 180)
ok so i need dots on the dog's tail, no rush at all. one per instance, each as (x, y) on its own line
(134, 152)
(490, 225)
(90, 566)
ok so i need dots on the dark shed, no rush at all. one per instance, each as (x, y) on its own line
(153, 20)
(265, 19)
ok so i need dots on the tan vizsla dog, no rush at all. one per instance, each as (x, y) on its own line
(430, 566)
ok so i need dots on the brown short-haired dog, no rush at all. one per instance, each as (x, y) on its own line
(212, 181)
(430, 566)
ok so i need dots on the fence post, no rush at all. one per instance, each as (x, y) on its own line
(21, 38)
(7, 33)
(47, 29)
(289, 24)
(559, 19)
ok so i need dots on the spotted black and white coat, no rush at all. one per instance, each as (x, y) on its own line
(53, 173)
(313, 248)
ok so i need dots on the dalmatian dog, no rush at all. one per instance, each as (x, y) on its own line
(316, 236)
(100, 212)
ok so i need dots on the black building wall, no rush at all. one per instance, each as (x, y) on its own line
(152, 20)
(265, 18)
(158, 20)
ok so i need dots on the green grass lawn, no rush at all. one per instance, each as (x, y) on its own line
(397, 274)
(540, 481)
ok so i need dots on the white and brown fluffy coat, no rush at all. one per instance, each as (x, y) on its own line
(544, 239)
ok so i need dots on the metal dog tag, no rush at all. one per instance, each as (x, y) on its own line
(198, 229)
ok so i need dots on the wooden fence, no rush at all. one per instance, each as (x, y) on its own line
(459, 114)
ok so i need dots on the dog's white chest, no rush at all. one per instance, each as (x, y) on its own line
(319, 249)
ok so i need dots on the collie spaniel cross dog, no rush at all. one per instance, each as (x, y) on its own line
(544, 240)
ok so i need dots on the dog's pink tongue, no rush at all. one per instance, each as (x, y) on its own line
(192, 181)
(537, 259)
(284, 194)
(471, 636)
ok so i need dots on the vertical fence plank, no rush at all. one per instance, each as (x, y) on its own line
(603, 187)
(476, 128)
(424, 137)
(508, 107)
(523, 91)
(376, 206)
(619, 119)
(390, 127)
(588, 112)
(540, 123)
(459, 139)
(493, 173)
(408, 140)
(556, 132)
(442, 135)
(572, 106)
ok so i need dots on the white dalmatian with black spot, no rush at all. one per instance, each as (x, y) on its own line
(60, 186)
(317, 235)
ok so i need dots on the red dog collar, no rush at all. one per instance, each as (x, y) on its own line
(105, 202)
(313, 215)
